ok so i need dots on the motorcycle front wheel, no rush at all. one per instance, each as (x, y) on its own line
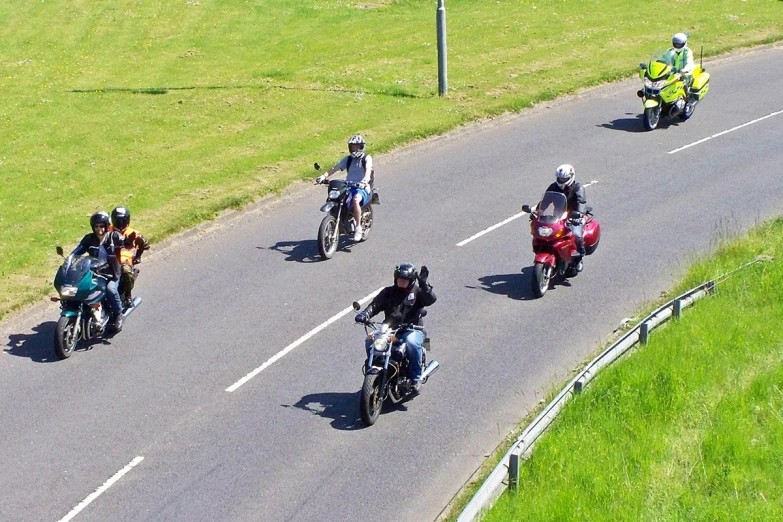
(371, 399)
(65, 336)
(328, 237)
(542, 275)
(652, 116)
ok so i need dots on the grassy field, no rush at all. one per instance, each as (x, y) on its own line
(181, 109)
(688, 428)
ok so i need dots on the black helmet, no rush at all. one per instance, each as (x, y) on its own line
(405, 271)
(120, 218)
(99, 218)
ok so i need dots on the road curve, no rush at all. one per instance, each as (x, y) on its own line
(288, 443)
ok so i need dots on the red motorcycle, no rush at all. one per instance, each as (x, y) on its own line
(553, 242)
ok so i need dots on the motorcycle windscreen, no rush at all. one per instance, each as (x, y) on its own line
(71, 274)
(551, 207)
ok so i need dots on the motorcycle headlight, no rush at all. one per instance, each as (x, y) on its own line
(334, 194)
(380, 344)
(544, 231)
(68, 291)
(654, 85)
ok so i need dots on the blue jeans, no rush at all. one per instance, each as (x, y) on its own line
(413, 340)
(579, 232)
(113, 298)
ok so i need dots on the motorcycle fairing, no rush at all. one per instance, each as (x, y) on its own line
(329, 205)
(546, 258)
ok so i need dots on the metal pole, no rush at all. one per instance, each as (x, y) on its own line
(440, 22)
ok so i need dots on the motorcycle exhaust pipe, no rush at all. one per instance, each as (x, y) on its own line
(135, 304)
(429, 370)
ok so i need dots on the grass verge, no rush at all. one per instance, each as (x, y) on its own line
(181, 109)
(688, 428)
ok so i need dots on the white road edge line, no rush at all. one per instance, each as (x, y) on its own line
(498, 225)
(284, 351)
(726, 132)
(106, 485)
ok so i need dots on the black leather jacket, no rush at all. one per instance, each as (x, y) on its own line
(106, 249)
(575, 193)
(401, 305)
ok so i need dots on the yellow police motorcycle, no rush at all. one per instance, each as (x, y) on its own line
(664, 93)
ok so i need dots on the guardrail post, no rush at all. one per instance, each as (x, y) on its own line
(513, 470)
(677, 312)
(644, 333)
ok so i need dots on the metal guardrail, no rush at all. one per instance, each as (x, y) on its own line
(508, 467)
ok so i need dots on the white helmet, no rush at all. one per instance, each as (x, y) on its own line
(564, 175)
(679, 40)
(356, 139)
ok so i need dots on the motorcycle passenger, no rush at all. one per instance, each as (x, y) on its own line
(402, 303)
(134, 245)
(680, 57)
(358, 165)
(105, 244)
(565, 183)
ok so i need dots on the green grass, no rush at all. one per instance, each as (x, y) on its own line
(181, 109)
(689, 427)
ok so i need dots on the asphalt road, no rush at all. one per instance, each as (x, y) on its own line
(288, 443)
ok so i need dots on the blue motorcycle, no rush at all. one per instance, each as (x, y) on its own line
(81, 284)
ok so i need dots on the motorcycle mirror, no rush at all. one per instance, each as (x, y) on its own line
(356, 306)
(574, 215)
(60, 251)
(641, 65)
(526, 208)
(316, 166)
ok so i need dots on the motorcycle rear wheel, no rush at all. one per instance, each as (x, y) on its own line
(690, 106)
(65, 336)
(652, 116)
(542, 275)
(367, 216)
(328, 237)
(371, 400)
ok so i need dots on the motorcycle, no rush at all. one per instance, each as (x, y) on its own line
(339, 218)
(665, 94)
(386, 369)
(554, 244)
(83, 314)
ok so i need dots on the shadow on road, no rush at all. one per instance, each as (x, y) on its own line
(37, 345)
(633, 124)
(342, 408)
(515, 285)
(306, 250)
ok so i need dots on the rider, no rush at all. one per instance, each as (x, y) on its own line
(403, 303)
(129, 254)
(359, 167)
(680, 57)
(105, 244)
(565, 183)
